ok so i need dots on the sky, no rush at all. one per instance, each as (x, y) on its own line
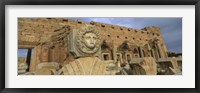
(171, 29)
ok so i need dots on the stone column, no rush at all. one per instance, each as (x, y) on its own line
(114, 53)
(160, 51)
(164, 51)
(36, 58)
(141, 52)
(45, 54)
(56, 54)
(156, 53)
(152, 53)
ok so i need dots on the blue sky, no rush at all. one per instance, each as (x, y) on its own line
(171, 28)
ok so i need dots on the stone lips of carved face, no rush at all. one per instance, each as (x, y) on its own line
(90, 40)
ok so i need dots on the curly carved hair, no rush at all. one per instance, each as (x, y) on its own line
(80, 39)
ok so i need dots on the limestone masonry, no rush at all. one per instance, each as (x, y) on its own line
(72, 47)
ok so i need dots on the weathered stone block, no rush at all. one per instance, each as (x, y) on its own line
(44, 71)
(84, 42)
(49, 65)
(148, 64)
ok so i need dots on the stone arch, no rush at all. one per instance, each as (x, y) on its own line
(135, 52)
(154, 49)
(126, 51)
(124, 46)
(106, 51)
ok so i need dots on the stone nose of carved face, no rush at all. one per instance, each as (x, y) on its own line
(92, 41)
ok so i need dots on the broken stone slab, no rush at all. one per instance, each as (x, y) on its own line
(111, 67)
(49, 65)
(179, 62)
(136, 60)
(148, 64)
(21, 59)
(173, 70)
(28, 73)
(170, 65)
(21, 72)
(48, 68)
(22, 66)
(45, 71)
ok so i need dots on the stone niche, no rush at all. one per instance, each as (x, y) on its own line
(105, 56)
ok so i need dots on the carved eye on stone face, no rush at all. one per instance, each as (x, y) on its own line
(88, 37)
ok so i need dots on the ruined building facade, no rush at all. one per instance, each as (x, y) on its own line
(49, 37)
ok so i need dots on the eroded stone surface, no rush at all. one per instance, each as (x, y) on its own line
(85, 66)
(22, 66)
(144, 66)
(50, 68)
(84, 41)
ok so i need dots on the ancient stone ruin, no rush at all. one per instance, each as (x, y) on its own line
(71, 47)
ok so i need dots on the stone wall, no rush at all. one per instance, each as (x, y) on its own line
(48, 37)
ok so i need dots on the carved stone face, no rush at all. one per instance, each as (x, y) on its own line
(86, 42)
(90, 40)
